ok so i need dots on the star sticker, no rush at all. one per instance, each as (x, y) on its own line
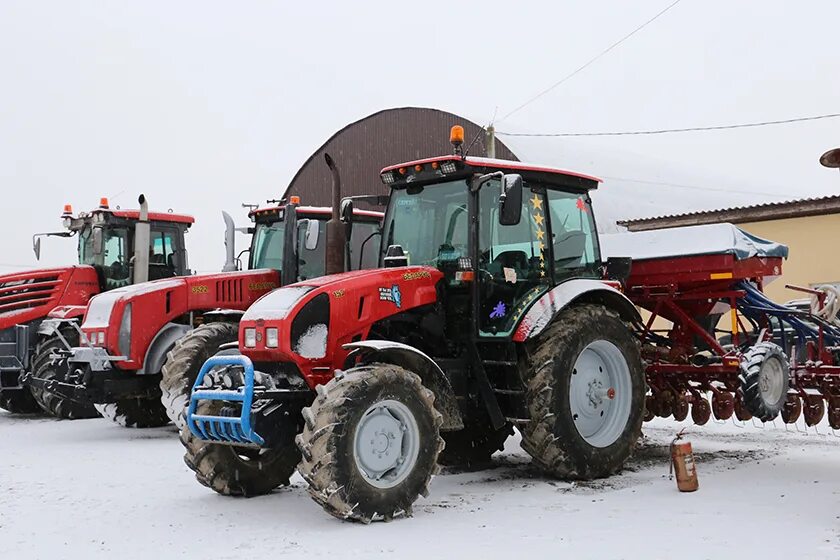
(542, 273)
(536, 202)
(542, 246)
(540, 234)
(581, 205)
(538, 218)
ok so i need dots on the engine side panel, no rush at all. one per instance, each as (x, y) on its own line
(27, 296)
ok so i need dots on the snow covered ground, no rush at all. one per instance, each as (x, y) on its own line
(90, 489)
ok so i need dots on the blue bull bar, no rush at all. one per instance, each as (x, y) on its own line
(224, 429)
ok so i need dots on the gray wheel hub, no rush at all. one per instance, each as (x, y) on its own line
(386, 444)
(600, 393)
(771, 381)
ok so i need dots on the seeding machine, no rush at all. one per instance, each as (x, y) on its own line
(770, 358)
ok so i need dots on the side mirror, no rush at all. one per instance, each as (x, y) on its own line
(618, 268)
(347, 217)
(510, 201)
(97, 241)
(312, 229)
(36, 246)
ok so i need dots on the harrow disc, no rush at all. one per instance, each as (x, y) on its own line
(741, 412)
(792, 409)
(700, 411)
(814, 411)
(649, 410)
(680, 408)
(723, 405)
(663, 403)
(834, 417)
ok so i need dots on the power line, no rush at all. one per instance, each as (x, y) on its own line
(592, 60)
(672, 130)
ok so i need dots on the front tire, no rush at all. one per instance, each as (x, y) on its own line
(370, 443)
(585, 393)
(184, 361)
(45, 367)
(142, 412)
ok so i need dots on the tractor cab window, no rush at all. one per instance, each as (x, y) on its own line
(162, 254)
(312, 262)
(116, 254)
(267, 249)
(574, 239)
(429, 223)
(364, 244)
(512, 260)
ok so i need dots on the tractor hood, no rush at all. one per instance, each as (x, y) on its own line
(141, 311)
(307, 323)
(30, 295)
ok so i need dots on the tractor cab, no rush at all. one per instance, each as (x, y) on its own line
(502, 232)
(308, 226)
(107, 239)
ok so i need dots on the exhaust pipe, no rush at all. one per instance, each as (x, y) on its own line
(230, 244)
(335, 238)
(142, 241)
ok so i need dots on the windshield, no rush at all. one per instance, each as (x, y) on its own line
(430, 225)
(86, 255)
(268, 246)
(114, 258)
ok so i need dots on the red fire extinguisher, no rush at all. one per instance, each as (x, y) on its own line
(682, 463)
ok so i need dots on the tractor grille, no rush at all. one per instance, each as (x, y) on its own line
(229, 291)
(27, 293)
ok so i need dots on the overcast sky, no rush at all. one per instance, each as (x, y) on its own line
(203, 105)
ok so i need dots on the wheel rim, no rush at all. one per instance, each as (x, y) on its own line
(600, 393)
(387, 443)
(771, 381)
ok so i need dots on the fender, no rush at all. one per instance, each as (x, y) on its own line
(160, 346)
(415, 361)
(223, 316)
(67, 312)
(49, 327)
(580, 290)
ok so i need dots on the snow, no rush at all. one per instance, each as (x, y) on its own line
(91, 489)
(709, 239)
(313, 342)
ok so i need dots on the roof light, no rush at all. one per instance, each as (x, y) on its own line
(435, 165)
(68, 210)
(402, 170)
(294, 199)
(388, 177)
(103, 202)
(418, 168)
(456, 135)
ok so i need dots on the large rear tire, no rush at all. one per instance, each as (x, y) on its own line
(765, 379)
(145, 412)
(370, 443)
(184, 361)
(585, 393)
(44, 366)
(236, 470)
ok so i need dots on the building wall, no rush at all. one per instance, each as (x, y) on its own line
(363, 148)
(814, 248)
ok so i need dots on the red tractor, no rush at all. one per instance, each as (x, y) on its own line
(492, 309)
(35, 302)
(145, 343)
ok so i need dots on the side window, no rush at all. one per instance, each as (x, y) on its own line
(364, 245)
(311, 263)
(574, 239)
(115, 257)
(161, 253)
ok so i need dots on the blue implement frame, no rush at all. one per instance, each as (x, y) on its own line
(224, 429)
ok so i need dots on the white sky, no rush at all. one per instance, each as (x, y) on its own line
(203, 105)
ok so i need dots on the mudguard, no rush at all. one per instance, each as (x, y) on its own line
(415, 361)
(580, 290)
(160, 346)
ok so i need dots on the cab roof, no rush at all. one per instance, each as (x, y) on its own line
(491, 163)
(314, 211)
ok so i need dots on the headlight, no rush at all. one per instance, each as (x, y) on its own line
(101, 338)
(271, 337)
(250, 338)
(124, 345)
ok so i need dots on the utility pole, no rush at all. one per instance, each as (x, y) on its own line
(491, 141)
